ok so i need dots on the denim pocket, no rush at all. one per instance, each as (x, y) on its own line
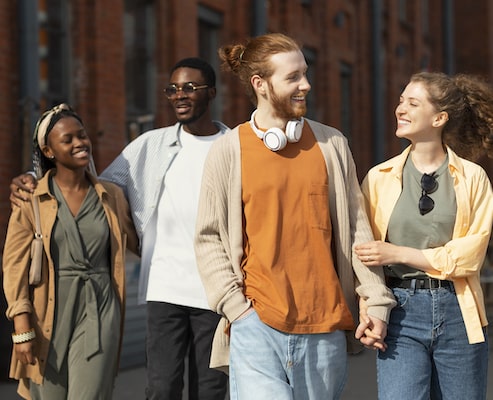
(244, 317)
(401, 296)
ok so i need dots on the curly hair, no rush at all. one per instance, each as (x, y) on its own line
(468, 101)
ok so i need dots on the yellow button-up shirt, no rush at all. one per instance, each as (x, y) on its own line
(459, 260)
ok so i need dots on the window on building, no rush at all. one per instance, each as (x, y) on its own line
(425, 16)
(346, 77)
(402, 10)
(311, 61)
(54, 54)
(210, 22)
(140, 66)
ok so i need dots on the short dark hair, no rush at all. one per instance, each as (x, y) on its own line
(201, 65)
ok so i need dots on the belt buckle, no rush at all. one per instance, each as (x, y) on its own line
(427, 283)
(418, 283)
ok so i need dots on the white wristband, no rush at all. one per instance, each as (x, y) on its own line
(23, 337)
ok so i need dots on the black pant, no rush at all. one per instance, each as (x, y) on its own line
(171, 331)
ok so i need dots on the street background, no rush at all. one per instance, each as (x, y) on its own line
(361, 383)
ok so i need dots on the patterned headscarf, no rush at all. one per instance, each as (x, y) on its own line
(41, 131)
(43, 127)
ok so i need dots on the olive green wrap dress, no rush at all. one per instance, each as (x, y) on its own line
(84, 351)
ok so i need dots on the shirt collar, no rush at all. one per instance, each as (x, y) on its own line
(396, 164)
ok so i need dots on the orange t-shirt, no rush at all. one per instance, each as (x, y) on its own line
(288, 266)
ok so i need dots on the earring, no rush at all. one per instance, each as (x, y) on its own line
(52, 157)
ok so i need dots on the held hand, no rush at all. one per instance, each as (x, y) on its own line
(364, 321)
(25, 352)
(19, 188)
(371, 331)
(377, 253)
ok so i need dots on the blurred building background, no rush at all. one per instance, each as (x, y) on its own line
(111, 59)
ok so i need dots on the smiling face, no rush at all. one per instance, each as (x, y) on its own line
(288, 85)
(417, 118)
(190, 107)
(68, 144)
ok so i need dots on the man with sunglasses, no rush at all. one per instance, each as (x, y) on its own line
(160, 173)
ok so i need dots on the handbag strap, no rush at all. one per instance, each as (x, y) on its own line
(37, 233)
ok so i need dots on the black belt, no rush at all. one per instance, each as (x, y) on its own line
(419, 283)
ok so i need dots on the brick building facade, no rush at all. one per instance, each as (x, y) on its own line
(110, 60)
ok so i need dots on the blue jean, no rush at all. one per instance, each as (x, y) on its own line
(267, 364)
(428, 354)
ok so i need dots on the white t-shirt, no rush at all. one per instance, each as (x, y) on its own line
(173, 275)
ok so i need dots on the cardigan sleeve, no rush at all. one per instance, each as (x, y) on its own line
(370, 283)
(213, 243)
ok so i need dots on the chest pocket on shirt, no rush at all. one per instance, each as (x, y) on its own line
(442, 226)
(318, 207)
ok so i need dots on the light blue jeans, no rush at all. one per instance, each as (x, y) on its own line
(428, 354)
(267, 364)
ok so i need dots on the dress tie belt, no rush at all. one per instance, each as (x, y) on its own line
(62, 337)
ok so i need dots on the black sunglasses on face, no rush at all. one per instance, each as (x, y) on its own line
(428, 185)
(187, 88)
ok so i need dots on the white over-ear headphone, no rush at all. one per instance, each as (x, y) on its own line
(274, 138)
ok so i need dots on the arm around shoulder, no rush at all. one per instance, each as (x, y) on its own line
(122, 210)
